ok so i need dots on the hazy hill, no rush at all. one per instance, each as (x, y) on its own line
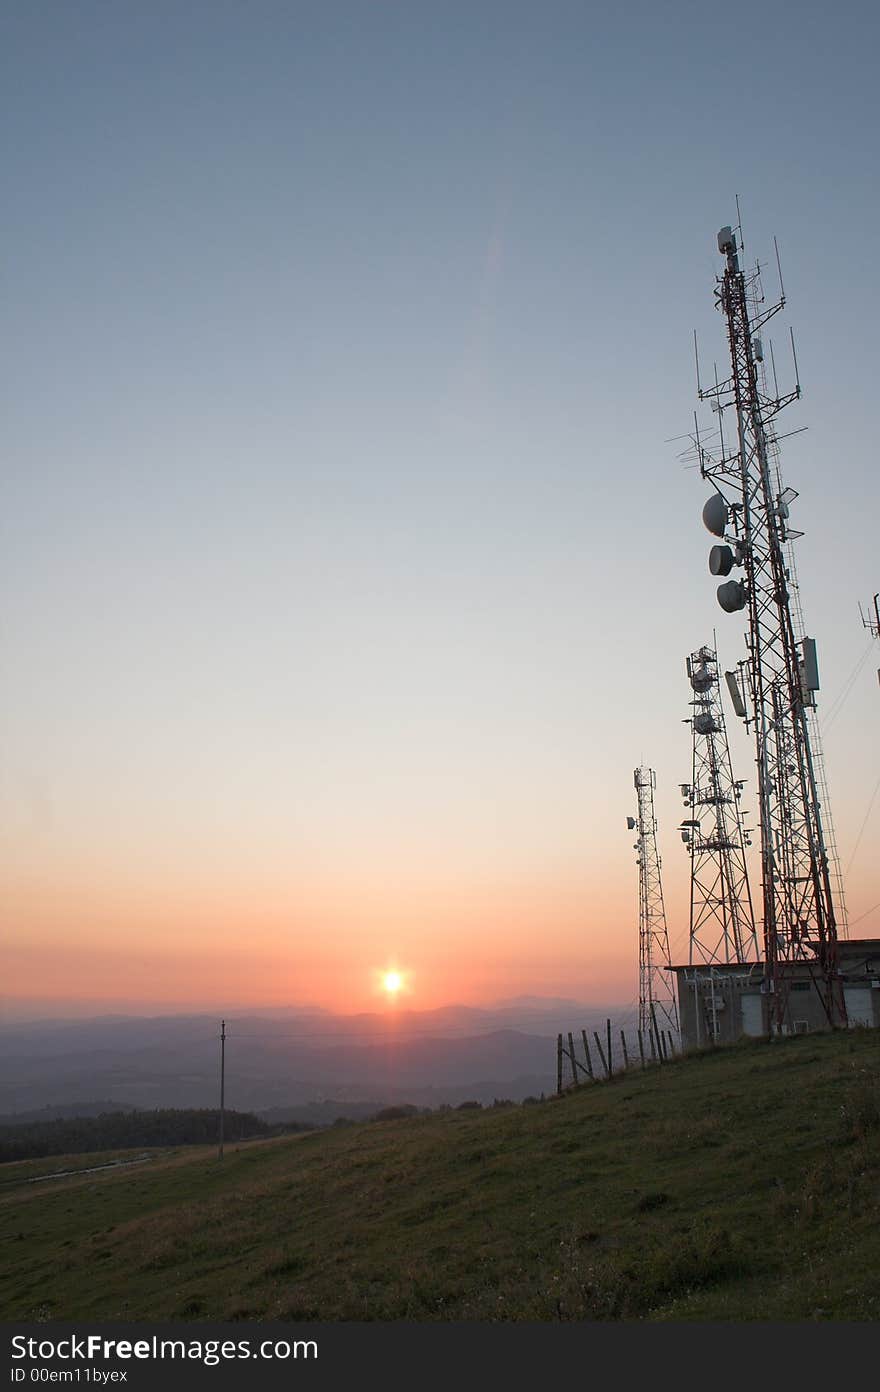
(740, 1184)
(427, 1057)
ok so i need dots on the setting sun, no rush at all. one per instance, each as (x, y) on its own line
(392, 983)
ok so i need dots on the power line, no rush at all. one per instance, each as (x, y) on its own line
(864, 824)
(864, 915)
(841, 698)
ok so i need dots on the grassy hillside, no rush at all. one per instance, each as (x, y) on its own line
(735, 1185)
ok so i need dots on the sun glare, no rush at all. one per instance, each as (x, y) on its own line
(392, 983)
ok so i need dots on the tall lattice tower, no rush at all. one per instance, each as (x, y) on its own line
(656, 990)
(749, 513)
(722, 920)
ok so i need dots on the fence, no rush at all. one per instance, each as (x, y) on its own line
(658, 1048)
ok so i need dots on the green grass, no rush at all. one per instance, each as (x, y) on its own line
(739, 1184)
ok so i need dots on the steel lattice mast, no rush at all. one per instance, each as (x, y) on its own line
(722, 920)
(656, 991)
(781, 675)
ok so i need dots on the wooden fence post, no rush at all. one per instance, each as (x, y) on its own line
(625, 1054)
(657, 1033)
(587, 1052)
(601, 1054)
(574, 1069)
(641, 1048)
(608, 1037)
(559, 1064)
(663, 1035)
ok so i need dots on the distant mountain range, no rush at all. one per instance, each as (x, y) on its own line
(295, 1060)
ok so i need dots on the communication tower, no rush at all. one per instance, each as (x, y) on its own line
(656, 992)
(722, 920)
(749, 513)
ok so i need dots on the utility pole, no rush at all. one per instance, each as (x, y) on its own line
(749, 512)
(222, 1083)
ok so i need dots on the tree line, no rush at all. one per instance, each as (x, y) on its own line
(31, 1140)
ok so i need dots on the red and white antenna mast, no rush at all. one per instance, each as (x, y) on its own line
(749, 514)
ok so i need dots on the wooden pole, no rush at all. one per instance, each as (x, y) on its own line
(608, 1037)
(587, 1052)
(559, 1064)
(623, 1045)
(651, 1042)
(641, 1048)
(574, 1067)
(657, 1033)
(601, 1054)
(663, 1042)
(222, 1083)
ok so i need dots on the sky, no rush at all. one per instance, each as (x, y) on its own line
(348, 562)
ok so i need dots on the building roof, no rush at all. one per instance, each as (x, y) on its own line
(848, 947)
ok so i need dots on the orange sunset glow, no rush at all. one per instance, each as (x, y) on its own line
(208, 944)
(159, 924)
(352, 542)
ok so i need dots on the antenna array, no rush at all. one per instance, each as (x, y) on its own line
(872, 621)
(750, 514)
(722, 920)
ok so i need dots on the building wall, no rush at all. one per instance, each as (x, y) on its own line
(740, 1008)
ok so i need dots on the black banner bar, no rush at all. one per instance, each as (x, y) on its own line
(274, 1355)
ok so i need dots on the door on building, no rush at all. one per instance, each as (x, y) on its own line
(859, 1005)
(753, 1015)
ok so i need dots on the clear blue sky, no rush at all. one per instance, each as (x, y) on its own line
(344, 547)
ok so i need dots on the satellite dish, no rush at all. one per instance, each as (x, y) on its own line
(631, 822)
(732, 596)
(706, 724)
(726, 240)
(715, 515)
(702, 677)
(720, 560)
